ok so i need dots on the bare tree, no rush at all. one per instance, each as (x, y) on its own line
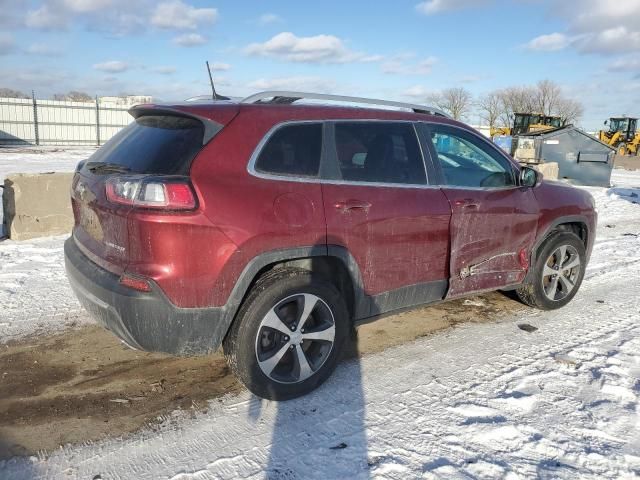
(547, 96)
(73, 96)
(455, 101)
(569, 110)
(11, 93)
(490, 107)
(515, 100)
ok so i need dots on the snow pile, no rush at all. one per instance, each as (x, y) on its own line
(38, 160)
(41, 159)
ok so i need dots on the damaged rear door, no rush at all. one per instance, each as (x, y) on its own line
(493, 222)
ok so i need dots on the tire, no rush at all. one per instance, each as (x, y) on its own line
(557, 254)
(268, 345)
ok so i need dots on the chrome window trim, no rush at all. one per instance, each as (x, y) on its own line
(317, 180)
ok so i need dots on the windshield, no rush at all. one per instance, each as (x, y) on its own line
(618, 124)
(553, 121)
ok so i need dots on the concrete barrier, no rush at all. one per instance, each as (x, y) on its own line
(37, 205)
(549, 170)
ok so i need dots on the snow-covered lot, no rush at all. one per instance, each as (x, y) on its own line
(485, 400)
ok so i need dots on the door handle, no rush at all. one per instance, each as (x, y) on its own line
(348, 205)
(466, 204)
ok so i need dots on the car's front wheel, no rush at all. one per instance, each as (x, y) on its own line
(288, 335)
(557, 273)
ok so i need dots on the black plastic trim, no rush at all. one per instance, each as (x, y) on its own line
(542, 237)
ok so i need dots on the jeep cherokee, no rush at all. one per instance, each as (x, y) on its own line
(272, 227)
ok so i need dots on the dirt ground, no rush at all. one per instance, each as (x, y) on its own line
(83, 384)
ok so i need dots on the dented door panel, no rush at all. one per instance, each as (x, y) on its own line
(492, 233)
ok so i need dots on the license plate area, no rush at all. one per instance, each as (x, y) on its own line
(90, 222)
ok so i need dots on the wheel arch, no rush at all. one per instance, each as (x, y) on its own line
(577, 224)
(334, 263)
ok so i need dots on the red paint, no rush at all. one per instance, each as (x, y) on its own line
(488, 229)
(398, 236)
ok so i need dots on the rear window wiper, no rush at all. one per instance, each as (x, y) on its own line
(106, 167)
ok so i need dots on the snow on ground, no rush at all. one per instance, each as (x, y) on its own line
(41, 159)
(35, 296)
(477, 401)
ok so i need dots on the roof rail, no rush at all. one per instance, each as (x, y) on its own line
(287, 97)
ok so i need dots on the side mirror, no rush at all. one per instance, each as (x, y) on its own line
(529, 177)
(606, 122)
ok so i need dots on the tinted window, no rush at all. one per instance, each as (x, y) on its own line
(154, 144)
(379, 152)
(466, 161)
(292, 150)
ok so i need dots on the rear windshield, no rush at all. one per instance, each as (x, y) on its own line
(158, 144)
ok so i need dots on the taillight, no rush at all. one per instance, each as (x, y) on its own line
(163, 193)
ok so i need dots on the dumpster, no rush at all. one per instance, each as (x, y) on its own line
(581, 158)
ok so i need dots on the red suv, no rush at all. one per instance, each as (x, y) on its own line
(272, 228)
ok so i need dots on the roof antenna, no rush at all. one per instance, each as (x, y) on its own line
(213, 88)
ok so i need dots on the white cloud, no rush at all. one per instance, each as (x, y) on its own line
(301, 83)
(316, 49)
(417, 92)
(596, 15)
(46, 18)
(610, 41)
(7, 44)
(548, 43)
(594, 26)
(399, 67)
(177, 15)
(190, 40)
(471, 78)
(164, 70)
(84, 6)
(43, 49)
(112, 66)
(12, 13)
(269, 18)
(625, 64)
(220, 67)
(431, 7)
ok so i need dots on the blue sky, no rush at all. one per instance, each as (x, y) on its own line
(402, 50)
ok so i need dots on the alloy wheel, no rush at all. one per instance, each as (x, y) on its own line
(295, 338)
(561, 272)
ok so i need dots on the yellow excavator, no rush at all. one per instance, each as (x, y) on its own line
(528, 122)
(623, 135)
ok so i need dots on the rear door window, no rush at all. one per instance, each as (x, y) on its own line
(292, 150)
(154, 144)
(379, 152)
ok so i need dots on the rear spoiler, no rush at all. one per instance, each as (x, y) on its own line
(211, 128)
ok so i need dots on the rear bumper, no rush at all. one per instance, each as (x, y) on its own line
(143, 320)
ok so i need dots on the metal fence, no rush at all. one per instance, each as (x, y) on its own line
(28, 121)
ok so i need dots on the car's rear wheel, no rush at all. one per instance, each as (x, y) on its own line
(557, 273)
(288, 335)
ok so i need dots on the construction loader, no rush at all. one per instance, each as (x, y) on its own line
(528, 122)
(623, 135)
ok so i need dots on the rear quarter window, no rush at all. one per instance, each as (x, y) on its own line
(292, 150)
(154, 144)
